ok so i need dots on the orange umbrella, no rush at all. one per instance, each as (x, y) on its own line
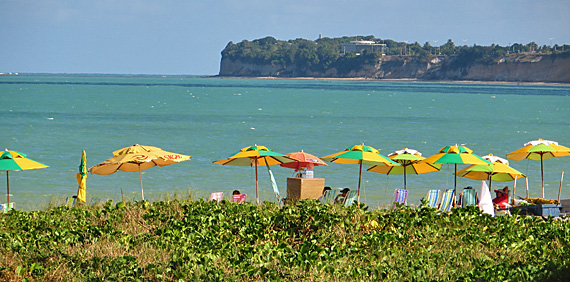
(304, 160)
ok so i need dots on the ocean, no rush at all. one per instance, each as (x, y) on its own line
(52, 118)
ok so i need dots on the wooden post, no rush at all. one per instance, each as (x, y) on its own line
(526, 187)
(560, 189)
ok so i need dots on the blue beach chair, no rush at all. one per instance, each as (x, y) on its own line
(447, 200)
(400, 197)
(469, 197)
(433, 198)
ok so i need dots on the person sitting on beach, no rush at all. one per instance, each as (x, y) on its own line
(322, 198)
(341, 198)
(236, 192)
(502, 199)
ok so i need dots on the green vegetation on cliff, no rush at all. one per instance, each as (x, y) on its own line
(324, 54)
(210, 241)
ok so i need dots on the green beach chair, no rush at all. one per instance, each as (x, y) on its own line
(433, 198)
(468, 197)
(350, 198)
(447, 200)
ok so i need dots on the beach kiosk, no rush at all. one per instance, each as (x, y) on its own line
(301, 188)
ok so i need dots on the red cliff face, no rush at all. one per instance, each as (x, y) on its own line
(510, 68)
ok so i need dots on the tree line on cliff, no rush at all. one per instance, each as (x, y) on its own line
(326, 53)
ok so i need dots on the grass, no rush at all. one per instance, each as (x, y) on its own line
(185, 240)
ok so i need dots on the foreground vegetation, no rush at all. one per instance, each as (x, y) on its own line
(196, 240)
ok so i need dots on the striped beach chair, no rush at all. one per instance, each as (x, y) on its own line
(350, 198)
(7, 207)
(433, 198)
(240, 198)
(468, 197)
(400, 197)
(447, 200)
(328, 198)
(216, 196)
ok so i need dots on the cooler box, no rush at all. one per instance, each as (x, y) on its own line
(304, 188)
(541, 210)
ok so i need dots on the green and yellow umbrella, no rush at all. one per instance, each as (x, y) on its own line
(539, 150)
(410, 163)
(13, 160)
(137, 158)
(255, 156)
(499, 170)
(360, 154)
(456, 155)
(82, 178)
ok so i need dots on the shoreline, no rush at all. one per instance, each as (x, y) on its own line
(393, 80)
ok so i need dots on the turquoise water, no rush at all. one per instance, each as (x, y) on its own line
(53, 118)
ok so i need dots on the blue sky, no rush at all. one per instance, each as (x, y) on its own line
(187, 37)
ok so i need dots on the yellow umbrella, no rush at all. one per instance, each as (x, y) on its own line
(360, 154)
(137, 158)
(255, 156)
(499, 170)
(13, 160)
(410, 163)
(539, 150)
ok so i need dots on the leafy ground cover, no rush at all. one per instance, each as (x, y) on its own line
(185, 240)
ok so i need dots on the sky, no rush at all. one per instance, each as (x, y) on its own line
(177, 37)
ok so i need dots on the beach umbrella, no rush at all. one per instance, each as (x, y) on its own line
(255, 156)
(539, 150)
(410, 163)
(13, 160)
(82, 178)
(455, 155)
(137, 158)
(303, 160)
(498, 170)
(360, 154)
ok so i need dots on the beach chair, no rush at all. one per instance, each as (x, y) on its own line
(468, 197)
(70, 201)
(240, 198)
(350, 198)
(447, 200)
(328, 198)
(7, 207)
(433, 198)
(216, 196)
(400, 197)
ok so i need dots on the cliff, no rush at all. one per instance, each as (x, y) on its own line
(526, 67)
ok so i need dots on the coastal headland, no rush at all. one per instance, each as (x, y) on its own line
(328, 58)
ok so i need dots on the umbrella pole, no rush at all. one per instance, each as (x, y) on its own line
(359, 178)
(140, 177)
(256, 184)
(455, 187)
(8, 186)
(405, 186)
(542, 175)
